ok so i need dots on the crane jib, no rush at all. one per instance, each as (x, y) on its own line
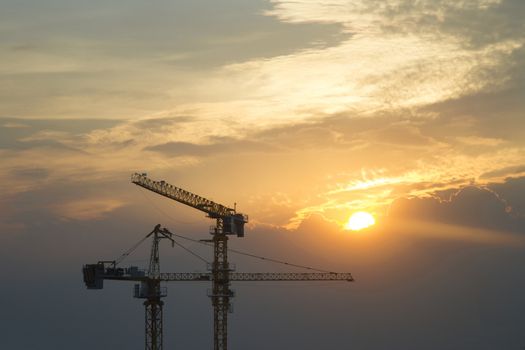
(233, 223)
(95, 274)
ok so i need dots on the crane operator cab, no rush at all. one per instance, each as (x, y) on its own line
(234, 224)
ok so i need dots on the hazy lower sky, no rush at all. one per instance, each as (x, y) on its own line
(301, 112)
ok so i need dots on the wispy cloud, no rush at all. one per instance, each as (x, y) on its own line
(87, 209)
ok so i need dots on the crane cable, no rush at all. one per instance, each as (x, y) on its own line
(190, 251)
(135, 246)
(129, 251)
(279, 261)
(143, 192)
(256, 256)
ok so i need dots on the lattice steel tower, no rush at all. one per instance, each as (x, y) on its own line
(151, 290)
(228, 222)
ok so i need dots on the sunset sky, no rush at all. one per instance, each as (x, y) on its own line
(301, 112)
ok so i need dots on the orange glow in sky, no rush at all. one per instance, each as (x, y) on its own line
(359, 221)
(383, 138)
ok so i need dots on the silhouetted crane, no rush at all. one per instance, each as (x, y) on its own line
(228, 222)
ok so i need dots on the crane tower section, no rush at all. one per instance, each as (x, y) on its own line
(232, 222)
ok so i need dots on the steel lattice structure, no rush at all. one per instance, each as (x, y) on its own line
(133, 273)
(228, 222)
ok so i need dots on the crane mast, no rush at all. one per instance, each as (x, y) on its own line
(153, 292)
(228, 222)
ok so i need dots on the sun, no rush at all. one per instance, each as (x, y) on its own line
(359, 221)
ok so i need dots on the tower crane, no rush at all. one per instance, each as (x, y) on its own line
(228, 222)
(149, 287)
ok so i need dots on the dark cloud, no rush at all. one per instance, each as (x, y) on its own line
(220, 146)
(513, 191)
(197, 34)
(334, 132)
(159, 123)
(441, 189)
(492, 114)
(345, 131)
(494, 24)
(40, 144)
(470, 206)
(507, 171)
(475, 25)
(30, 173)
(301, 135)
(495, 112)
(13, 131)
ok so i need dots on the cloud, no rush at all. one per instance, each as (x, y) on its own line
(512, 190)
(30, 173)
(103, 61)
(493, 113)
(476, 23)
(87, 209)
(502, 172)
(473, 207)
(21, 133)
(220, 146)
(162, 123)
(382, 112)
(480, 141)
(331, 165)
(468, 20)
